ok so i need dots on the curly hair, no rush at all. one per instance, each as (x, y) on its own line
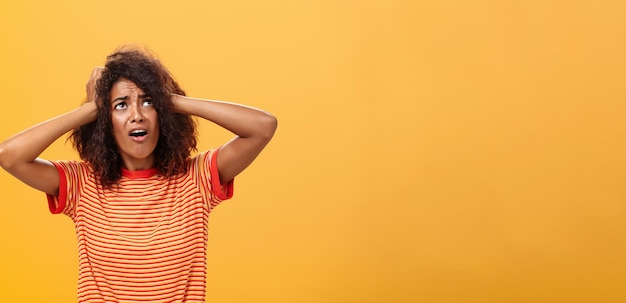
(177, 132)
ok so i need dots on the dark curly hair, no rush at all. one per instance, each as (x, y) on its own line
(177, 132)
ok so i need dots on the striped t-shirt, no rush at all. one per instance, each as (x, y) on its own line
(145, 238)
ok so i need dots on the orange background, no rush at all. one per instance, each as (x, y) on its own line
(427, 151)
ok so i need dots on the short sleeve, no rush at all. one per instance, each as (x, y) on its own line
(208, 179)
(71, 177)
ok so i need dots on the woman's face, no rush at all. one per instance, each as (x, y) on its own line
(135, 125)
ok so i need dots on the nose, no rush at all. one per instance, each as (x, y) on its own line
(136, 114)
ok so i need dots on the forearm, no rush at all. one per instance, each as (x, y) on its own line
(253, 128)
(27, 145)
(244, 121)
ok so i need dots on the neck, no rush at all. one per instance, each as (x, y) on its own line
(139, 164)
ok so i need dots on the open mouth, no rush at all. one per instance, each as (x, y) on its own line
(138, 133)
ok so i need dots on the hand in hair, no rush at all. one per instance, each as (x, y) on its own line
(90, 87)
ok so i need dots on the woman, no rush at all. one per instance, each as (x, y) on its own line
(139, 201)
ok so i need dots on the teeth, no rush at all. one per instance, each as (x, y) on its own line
(138, 133)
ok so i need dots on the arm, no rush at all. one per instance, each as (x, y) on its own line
(253, 128)
(18, 154)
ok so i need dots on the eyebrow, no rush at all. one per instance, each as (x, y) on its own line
(120, 99)
(142, 96)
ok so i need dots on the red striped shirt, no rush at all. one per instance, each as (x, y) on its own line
(144, 239)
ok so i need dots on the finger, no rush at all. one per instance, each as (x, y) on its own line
(96, 72)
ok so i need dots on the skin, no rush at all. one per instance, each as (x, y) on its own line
(253, 129)
(132, 110)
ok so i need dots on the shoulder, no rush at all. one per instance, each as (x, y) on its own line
(72, 165)
(74, 171)
(203, 158)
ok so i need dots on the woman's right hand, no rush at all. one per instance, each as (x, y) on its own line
(91, 84)
(19, 153)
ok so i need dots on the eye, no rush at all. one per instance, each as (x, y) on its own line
(147, 102)
(121, 105)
